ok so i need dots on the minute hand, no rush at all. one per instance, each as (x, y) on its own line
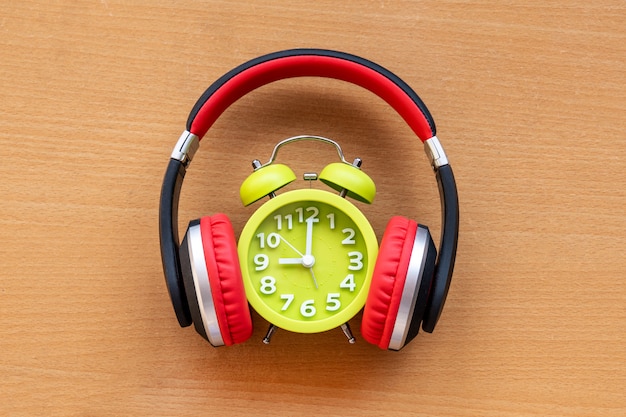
(308, 259)
(309, 236)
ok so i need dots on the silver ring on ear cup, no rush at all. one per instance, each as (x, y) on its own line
(410, 291)
(203, 287)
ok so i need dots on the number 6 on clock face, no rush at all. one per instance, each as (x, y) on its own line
(307, 258)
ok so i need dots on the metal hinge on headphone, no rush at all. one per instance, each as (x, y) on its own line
(186, 148)
(435, 153)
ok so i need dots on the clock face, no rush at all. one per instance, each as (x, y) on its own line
(307, 258)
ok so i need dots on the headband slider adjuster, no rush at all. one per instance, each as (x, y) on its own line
(435, 153)
(186, 147)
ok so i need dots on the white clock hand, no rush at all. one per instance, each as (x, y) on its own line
(313, 275)
(290, 245)
(309, 237)
(308, 260)
(290, 261)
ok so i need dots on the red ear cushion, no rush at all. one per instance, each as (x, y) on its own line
(383, 299)
(222, 261)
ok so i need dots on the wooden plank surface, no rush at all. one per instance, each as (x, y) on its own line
(530, 102)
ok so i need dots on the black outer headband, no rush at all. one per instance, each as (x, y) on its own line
(168, 234)
(170, 193)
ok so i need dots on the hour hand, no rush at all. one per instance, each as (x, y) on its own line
(290, 261)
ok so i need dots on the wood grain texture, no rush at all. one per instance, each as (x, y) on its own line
(530, 102)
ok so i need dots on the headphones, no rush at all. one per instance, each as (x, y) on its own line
(410, 281)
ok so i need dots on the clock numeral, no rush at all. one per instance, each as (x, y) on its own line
(356, 261)
(313, 217)
(287, 218)
(261, 261)
(268, 285)
(332, 301)
(331, 220)
(288, 300)
(273, 240)
(348, 283)
(349, 240)
(307, 309)
(315, 212)
(279, 222)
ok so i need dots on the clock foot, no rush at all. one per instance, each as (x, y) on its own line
(346, 330)
(270, 332)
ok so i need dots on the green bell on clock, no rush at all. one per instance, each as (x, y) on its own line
(342, 176)
(265, 181)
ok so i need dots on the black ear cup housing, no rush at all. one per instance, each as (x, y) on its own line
(190, 291)
(421, 301)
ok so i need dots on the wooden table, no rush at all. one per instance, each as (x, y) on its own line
(530, 102)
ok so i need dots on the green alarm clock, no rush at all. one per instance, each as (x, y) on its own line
(307, 255)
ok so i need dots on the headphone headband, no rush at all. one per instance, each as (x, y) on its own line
(307, 63)
(310, 63)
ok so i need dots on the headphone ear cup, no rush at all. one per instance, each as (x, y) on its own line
(400, 285)
(213, 282)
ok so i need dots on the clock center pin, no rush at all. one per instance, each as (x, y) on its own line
(308, 261)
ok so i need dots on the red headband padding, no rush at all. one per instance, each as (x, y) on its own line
(310, 66)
